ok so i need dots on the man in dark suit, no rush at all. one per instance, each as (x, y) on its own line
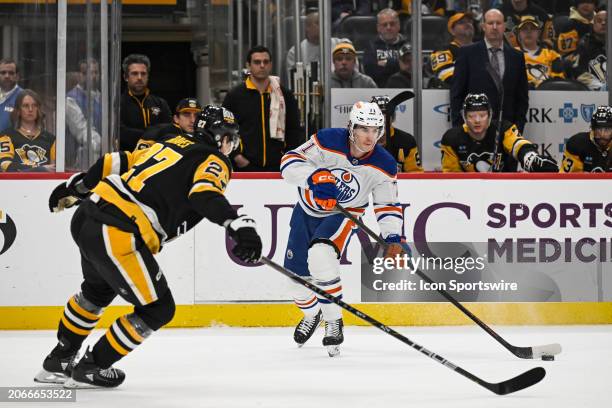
(478, 63)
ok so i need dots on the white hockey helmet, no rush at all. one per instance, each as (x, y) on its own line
(366, 114)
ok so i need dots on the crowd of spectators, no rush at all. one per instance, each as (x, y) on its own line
(500, 48)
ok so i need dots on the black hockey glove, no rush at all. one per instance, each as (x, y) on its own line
(243, 231)
(534, 163)
(69, 193)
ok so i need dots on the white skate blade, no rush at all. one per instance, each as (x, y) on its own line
(333, 351)
(48, 377)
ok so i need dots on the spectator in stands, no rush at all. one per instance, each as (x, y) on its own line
(402, 145)
(185, 115)
(345, 75)
(591, 152)
(79, 118)
(591, 59)
(461, 27)
(402, 78)
(483, 65)
(267, 114)
(514, 10)
(578, 25)
(9, 76)
(541, 63)
(380, 59)
(309, 47)
(344, 8)
(27, 146)
(139, 107)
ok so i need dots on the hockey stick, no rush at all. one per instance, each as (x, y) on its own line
(521, 381)
(496, 165)
(521, 352)
(391, 105)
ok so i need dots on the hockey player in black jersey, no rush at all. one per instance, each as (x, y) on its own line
(182, 124)
(402, 145)
(591, 152)
(131, 204)
(470, 147)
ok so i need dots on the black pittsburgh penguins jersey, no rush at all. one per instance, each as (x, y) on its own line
(160, 188)
(403, 148)
(582, 154)
(159, 133)
(21, 153)
(461, 153)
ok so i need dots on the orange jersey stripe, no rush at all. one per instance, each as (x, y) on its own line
(381, 209)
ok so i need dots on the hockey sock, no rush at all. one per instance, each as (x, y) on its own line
(330, 310)
(308, 305)
(79, 319)
(124, 335)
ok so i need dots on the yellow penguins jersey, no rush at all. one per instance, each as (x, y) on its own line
(582, 154)
(443, 62)
(158, 133)
(461, 153)
(541, 65)
(403, 147)
(22, 153)
(161, 189)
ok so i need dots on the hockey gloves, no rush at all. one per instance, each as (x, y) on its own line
(534, 163)
(243, 231)
(322, 183)
(69, 193)
(397, 246)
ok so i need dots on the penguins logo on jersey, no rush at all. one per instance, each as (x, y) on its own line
(8, 232)
(347, 184)
(32, 155)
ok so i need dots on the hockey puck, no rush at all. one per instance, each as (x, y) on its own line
(548, 358)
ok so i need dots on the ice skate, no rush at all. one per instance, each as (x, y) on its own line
(334, 336)
(306, 328)
(56, 369)
(87, 374)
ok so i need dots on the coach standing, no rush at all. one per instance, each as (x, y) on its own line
(507, 64)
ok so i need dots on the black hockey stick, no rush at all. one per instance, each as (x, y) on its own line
(496, 165)
(391, 105)
(521, 352)
(524, 380)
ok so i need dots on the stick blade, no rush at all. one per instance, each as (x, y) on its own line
(399, 98)
(520, 382)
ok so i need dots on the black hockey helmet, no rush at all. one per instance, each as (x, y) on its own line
(476, 102)
(382, 102)
(214, 124)
(602, 117)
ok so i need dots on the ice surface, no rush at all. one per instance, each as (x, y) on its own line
(262, 367)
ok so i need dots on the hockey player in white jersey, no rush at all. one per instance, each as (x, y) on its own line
(344, 166)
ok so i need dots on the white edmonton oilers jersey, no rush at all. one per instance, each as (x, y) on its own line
(356, 179)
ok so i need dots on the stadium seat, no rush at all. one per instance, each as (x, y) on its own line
(435, 32)
(359, 29)
(555, 84)
(559, 21)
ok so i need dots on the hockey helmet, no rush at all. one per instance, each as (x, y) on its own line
(366, 114)
(216, 124)
(602, 117)
(476, 102)
(382, 102)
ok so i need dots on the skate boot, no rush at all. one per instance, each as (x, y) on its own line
(306, 328)
(334, 336)
(87, 374)
(56, 369)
